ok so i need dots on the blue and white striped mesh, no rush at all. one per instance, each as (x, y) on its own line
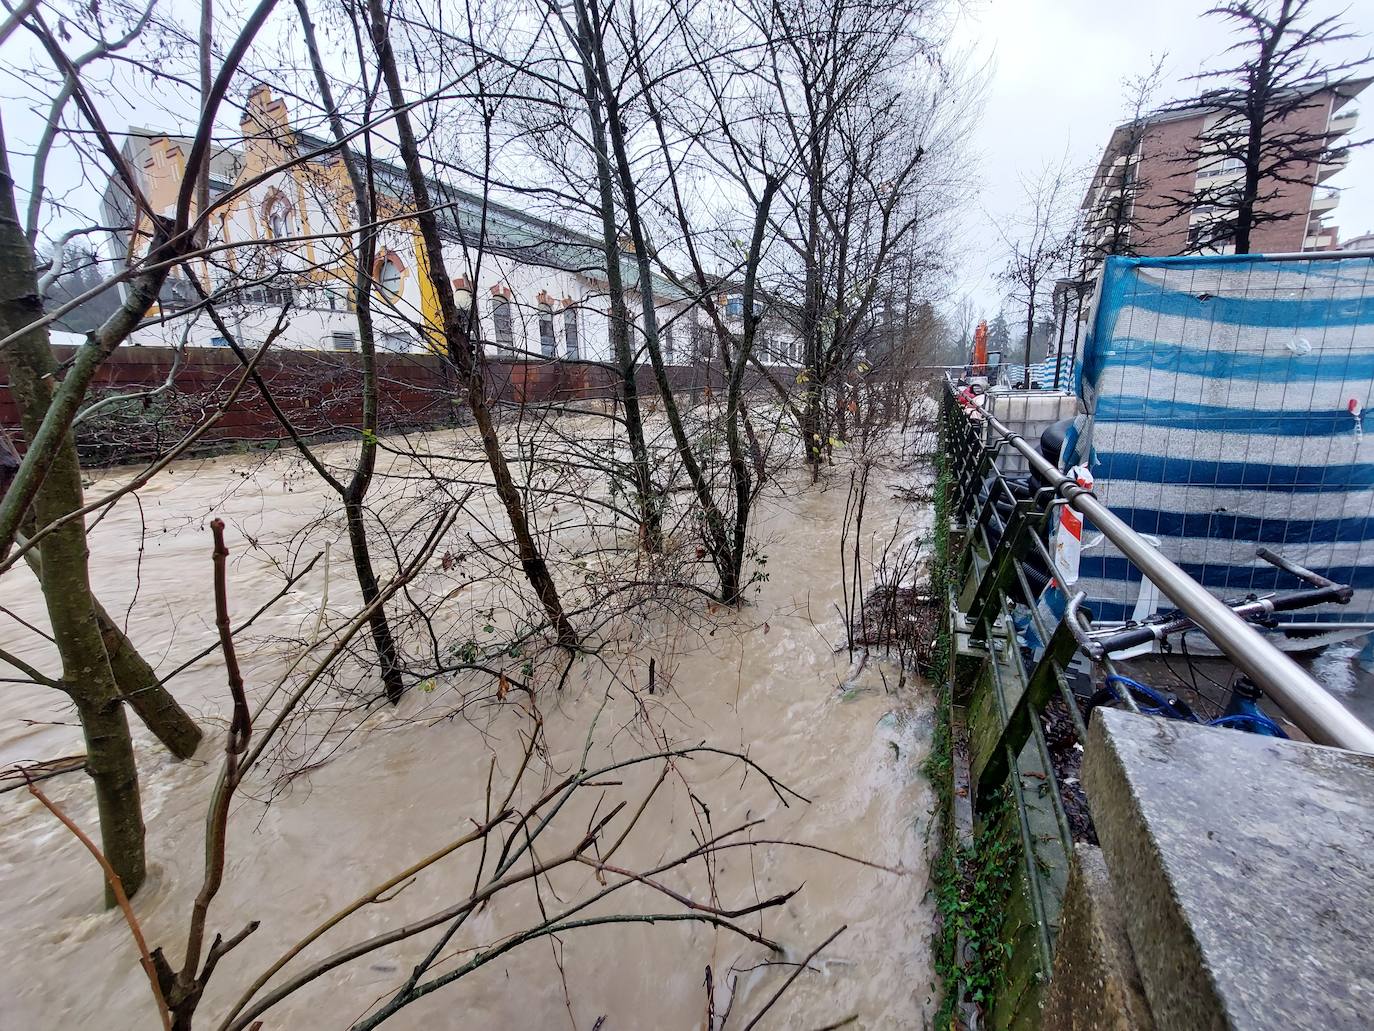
(1224, 399)
(1042, 374)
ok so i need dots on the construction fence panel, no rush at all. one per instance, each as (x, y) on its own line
(1224, 400)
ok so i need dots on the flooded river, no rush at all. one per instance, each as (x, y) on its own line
(383, 789)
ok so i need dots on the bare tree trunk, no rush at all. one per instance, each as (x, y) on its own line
(355, 492)
(461, 351)
(812, 303)
(1030, 330)
(207, 26)
(86, 672)
(717, 536)
(739, 475)
(650, 523)
(77, 631)
(755, 451)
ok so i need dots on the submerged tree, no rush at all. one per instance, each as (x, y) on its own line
(790, 167)
(44, 500)
(457, 342)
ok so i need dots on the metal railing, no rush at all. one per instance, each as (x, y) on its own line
(974, 439)
(1017, 655)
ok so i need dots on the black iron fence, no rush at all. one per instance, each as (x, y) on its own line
(1016, 655)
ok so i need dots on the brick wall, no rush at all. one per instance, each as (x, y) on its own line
(1164, 175)
(1164, 230)
(319, 391)
(1288, 236)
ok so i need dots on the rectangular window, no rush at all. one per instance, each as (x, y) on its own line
(218, 341)
(279, 296)
(571, 336)
(343, 340)
(502, 334)
(1217, 167)
(548, 347)
(734, 306)
(395, 341)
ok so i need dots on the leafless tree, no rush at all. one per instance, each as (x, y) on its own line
(818, 154)
(46, 491)
(1112, 217)
(1039, 245)
(457, 340)
(1270, 121)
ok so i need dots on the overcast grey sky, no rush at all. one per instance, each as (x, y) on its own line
(1056, 87)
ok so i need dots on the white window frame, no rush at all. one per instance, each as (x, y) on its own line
(548, 336)
(572, 332)
(386, 271)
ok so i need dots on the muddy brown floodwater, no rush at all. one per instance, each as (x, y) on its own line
(773, 680)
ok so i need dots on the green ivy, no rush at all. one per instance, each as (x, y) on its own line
(973, 885)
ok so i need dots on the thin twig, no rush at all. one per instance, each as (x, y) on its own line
(794, 975)
(190, 981)
(117, 888)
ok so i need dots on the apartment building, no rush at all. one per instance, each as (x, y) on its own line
(1131, 205)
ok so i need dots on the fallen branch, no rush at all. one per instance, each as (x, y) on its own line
(25, 775)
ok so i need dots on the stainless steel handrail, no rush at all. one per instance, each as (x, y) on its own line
(1322, 718)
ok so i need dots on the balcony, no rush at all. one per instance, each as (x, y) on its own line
(1320, 239)
(1342, 121)
(1337, 160)
(1324, 200)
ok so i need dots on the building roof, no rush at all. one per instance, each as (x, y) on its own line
(465, 217)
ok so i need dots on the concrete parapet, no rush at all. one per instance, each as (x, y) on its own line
(1095, 985)
(1244, 869)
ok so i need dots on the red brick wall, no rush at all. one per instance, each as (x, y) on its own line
(1164, 231)
(319, 391)
(1288, 235)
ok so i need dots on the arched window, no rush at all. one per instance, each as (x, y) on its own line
(572, 335)
(467, 311)
(502, 330)
(277, 212)
(389, 274)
